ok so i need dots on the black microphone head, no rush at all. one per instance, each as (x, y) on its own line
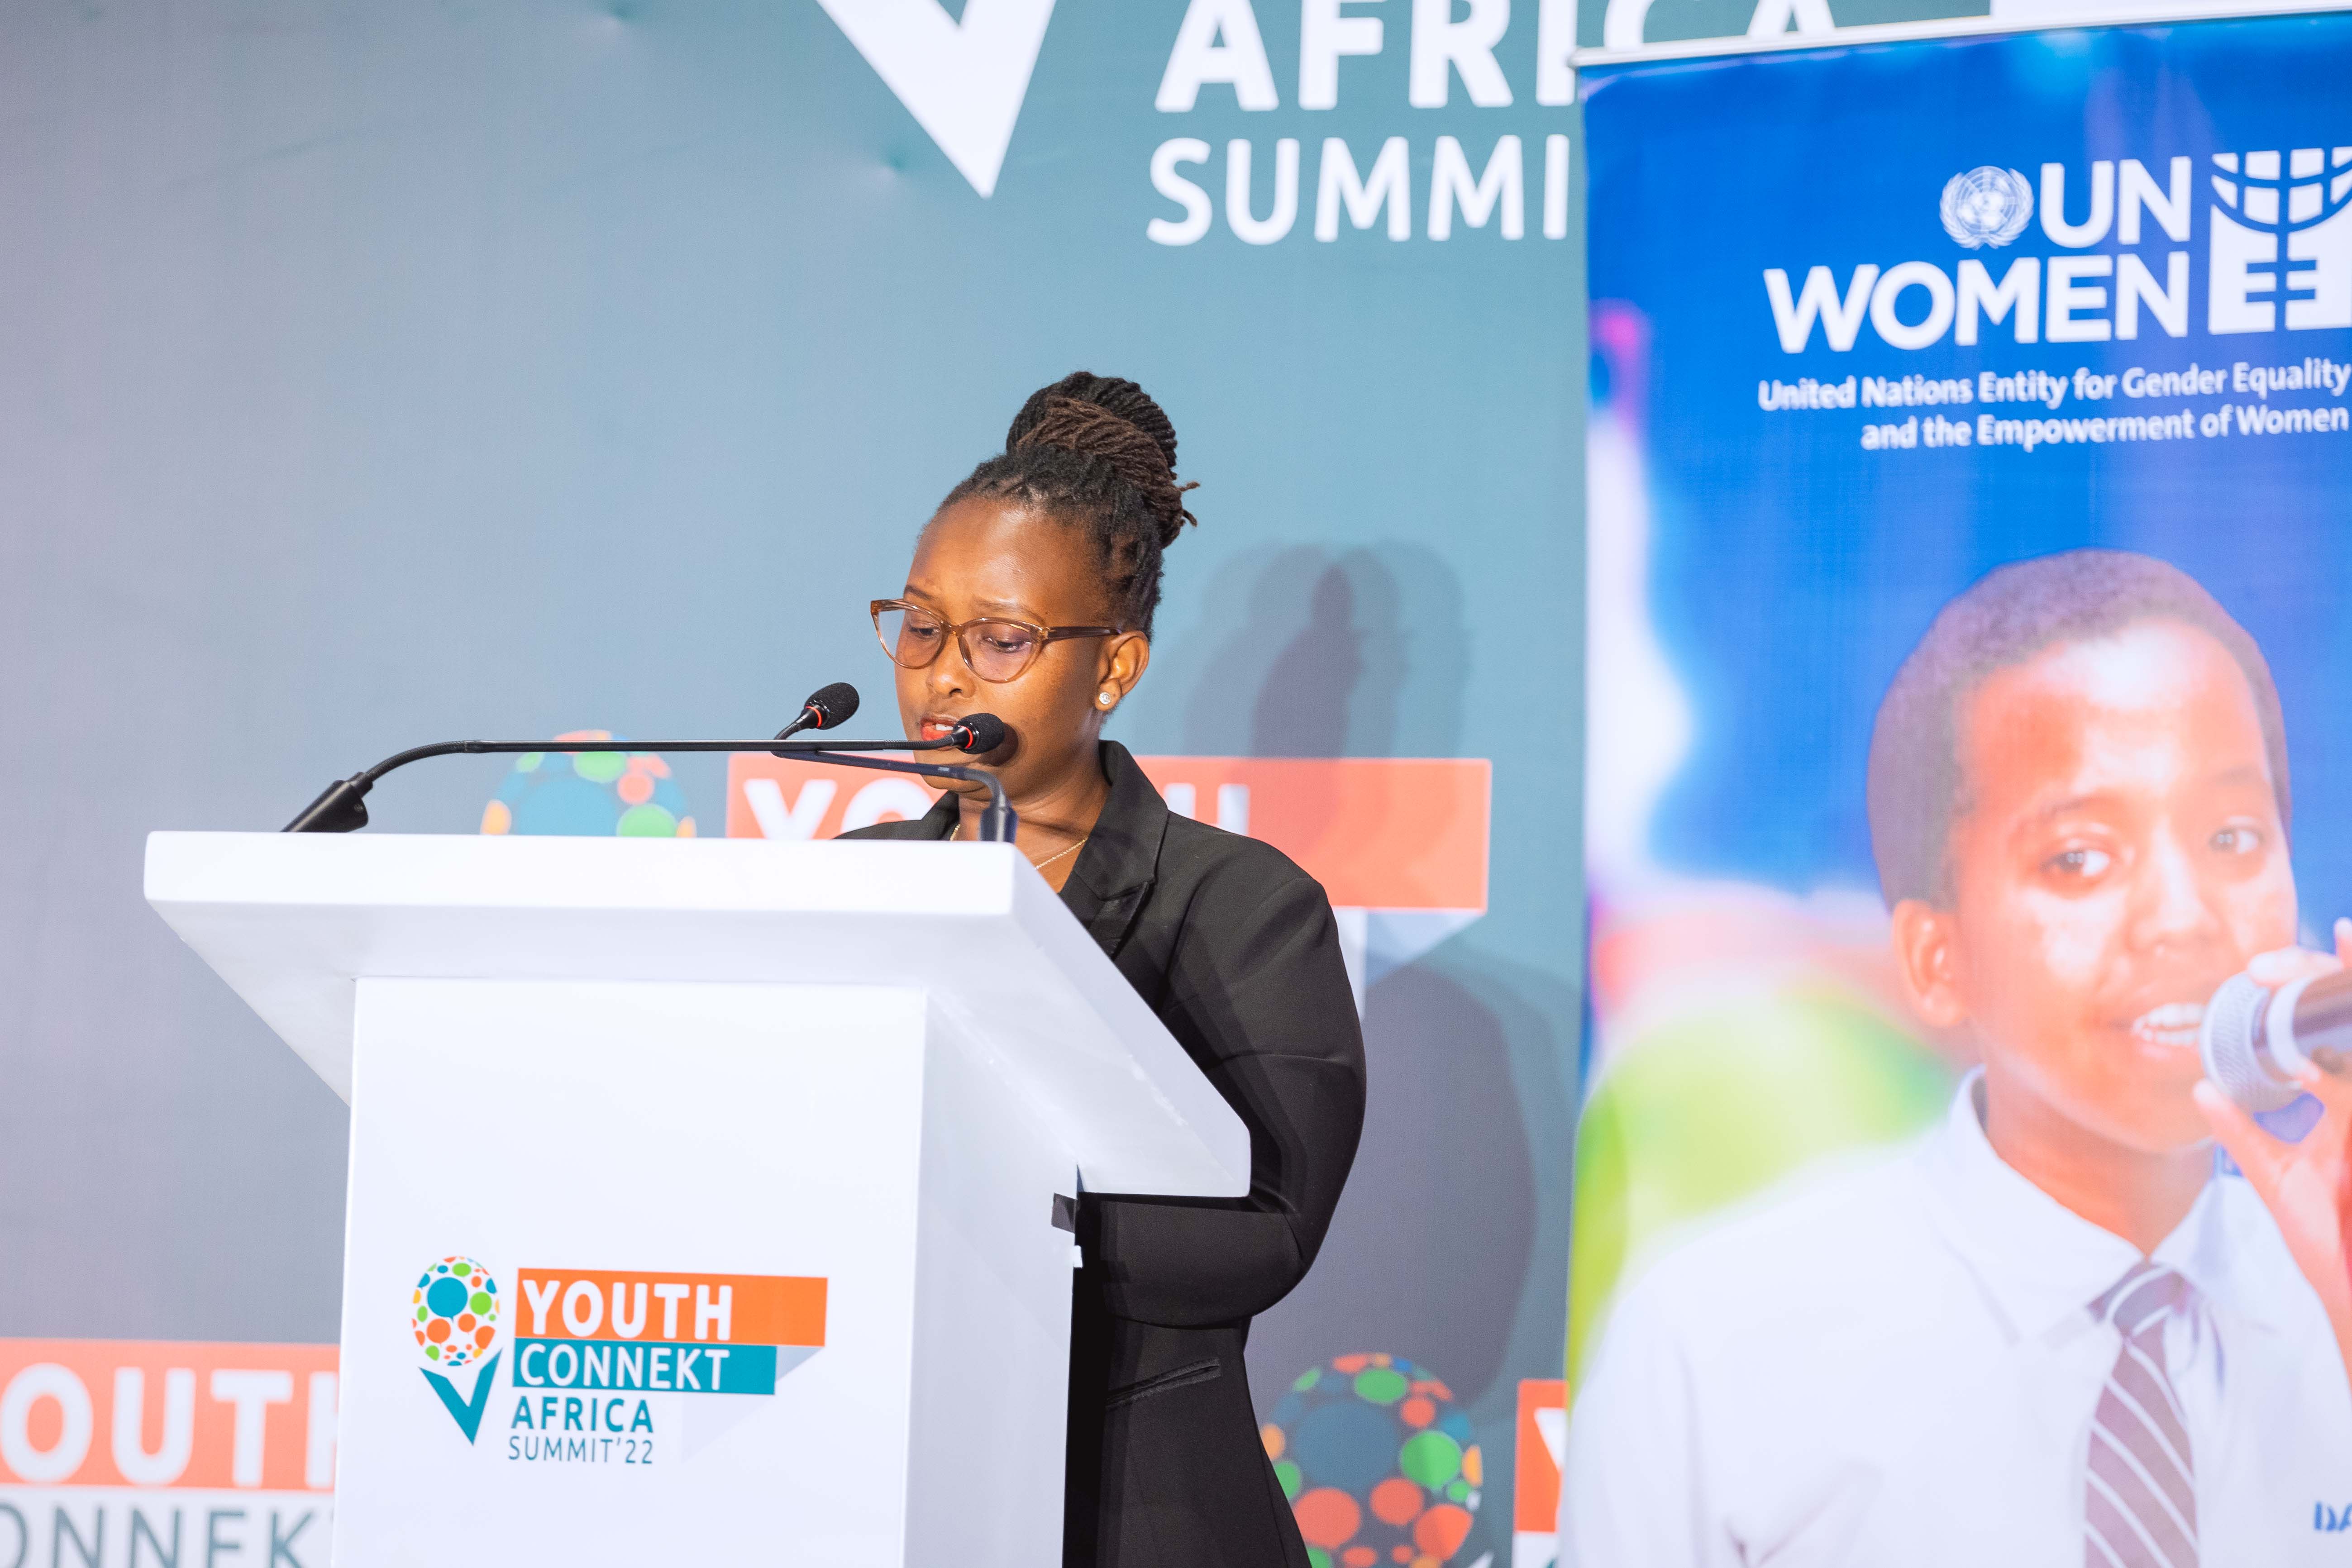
(832, 705)
(979, 734)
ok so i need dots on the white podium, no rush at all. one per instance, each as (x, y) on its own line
(709, 1198)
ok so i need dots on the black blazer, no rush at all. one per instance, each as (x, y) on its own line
(1234, 947)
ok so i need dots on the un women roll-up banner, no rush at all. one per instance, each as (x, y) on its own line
(1969, 448)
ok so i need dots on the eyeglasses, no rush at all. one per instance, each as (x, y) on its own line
(997, 650)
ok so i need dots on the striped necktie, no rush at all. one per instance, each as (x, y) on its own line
(2139, 1502)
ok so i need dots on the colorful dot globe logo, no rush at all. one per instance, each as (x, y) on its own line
(596, 794)
(455, 1312)
(1379, 1465)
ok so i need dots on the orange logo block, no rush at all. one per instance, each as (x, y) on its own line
(1388, 833)
(144, 1412)
(784, 797)
(718, 1309)
(1379, 833)
(1399, 842)
(1542, 1448)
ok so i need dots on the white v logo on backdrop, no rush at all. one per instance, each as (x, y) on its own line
(963, 82)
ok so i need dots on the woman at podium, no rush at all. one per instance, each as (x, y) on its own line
(1031, 598)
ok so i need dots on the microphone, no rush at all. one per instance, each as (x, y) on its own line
(978, 734)
(341, 806)
(827, 707)
(2254, 1037)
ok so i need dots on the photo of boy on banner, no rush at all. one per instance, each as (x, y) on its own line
(2056, 1329)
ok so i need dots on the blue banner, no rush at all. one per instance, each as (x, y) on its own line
(1966, 466)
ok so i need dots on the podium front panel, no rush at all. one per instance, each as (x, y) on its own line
(630, 1273)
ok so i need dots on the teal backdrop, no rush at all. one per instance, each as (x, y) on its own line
(375, 374)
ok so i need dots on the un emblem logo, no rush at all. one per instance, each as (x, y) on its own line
(1987, 207)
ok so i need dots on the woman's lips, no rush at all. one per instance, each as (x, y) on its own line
(2173, 1024)
(936, 729)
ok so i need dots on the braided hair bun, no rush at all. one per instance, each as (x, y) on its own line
(1097, 451)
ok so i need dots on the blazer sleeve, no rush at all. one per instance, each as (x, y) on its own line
(1258, 994)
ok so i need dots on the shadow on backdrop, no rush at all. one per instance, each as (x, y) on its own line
(1428, 1253)
(1357, 653)
(1364, 652)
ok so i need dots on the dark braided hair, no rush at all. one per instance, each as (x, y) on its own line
(1095, 451)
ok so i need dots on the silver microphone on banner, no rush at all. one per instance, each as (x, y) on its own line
(2255, 1036)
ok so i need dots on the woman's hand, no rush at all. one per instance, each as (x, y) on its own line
(2307, 1186)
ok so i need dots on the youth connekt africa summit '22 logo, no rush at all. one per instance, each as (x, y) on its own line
(602, 1362)
(453, 1313)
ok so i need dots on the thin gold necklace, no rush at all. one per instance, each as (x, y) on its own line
(1041, 865)
(1037, 865)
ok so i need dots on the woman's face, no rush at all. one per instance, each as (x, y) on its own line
(983, 557)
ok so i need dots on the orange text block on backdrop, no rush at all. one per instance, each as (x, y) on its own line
(1543, 1431)
(1397, 832)
(732, 1308)
(213, 1415)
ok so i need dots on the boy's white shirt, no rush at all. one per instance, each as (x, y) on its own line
(1899, 1365)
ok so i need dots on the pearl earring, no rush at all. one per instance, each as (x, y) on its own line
(1103, 698)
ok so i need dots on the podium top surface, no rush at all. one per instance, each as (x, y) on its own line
(293, 920)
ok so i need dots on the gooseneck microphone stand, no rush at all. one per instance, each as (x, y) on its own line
(341, 806)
